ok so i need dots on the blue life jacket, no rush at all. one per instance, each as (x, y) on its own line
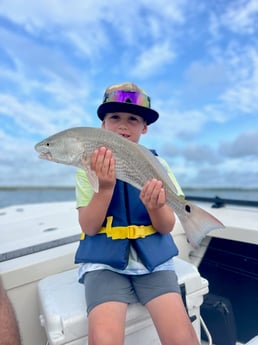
(127, 223)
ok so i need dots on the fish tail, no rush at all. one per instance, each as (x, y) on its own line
(197, 223)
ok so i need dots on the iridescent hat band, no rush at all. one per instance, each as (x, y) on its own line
(129, 98)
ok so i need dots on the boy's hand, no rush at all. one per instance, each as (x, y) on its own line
(153, 194)
(103, 163)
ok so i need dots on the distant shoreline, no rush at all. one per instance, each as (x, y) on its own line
(20, 195)
(9, 188)
(36, 187)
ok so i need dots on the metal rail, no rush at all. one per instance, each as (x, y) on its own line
(218, 202)
(14, 254)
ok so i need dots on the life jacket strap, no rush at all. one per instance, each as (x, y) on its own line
(123, 232)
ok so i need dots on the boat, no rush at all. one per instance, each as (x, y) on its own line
(38, 242)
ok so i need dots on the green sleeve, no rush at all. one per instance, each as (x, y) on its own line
(83, 189)
(172, 176)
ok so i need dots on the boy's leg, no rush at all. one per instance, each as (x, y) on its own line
(107, 296)
(160, 293)
(106, 324)
(171, 320)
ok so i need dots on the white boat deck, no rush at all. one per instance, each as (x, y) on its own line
(34, 228)
(23, 226)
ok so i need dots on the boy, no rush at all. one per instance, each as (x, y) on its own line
(134, 268)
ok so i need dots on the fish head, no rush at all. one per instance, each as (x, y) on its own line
(61, 148)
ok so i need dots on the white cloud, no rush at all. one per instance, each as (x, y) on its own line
(153, 59)
(245, 145)
(31, 118)
(244, 88)
(241, 16)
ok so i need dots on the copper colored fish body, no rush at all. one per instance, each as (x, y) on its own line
(134, 164)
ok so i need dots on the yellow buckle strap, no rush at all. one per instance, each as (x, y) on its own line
(122, 232)
(131, 232)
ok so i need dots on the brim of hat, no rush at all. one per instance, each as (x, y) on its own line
(149, 115)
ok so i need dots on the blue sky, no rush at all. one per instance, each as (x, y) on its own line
(198, 60)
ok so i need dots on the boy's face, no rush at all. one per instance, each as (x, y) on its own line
(128, 125)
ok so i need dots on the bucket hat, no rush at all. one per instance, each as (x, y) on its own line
(127, 97)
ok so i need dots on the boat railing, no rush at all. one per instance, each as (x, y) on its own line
(14, 254)
(218, 202)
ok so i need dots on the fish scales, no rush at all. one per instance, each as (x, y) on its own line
(130, 158)
(134, 164)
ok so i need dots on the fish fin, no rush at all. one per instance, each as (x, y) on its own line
(91, 175)
(197, 223)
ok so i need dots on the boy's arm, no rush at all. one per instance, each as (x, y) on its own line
(92, 216)
(154, 198)
(9, 331)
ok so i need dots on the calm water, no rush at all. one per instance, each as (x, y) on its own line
(18, 196)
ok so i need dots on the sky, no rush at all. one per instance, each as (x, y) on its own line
(198, 61)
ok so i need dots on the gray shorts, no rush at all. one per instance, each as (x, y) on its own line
(105, 286)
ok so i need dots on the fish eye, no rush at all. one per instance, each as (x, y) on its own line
(47, 144)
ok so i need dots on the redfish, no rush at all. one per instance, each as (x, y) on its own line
(135, 165)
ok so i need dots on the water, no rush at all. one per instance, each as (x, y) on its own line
(18, 196)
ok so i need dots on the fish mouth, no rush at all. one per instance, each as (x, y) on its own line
(45, 155)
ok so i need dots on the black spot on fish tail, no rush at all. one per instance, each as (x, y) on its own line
(188, 208)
